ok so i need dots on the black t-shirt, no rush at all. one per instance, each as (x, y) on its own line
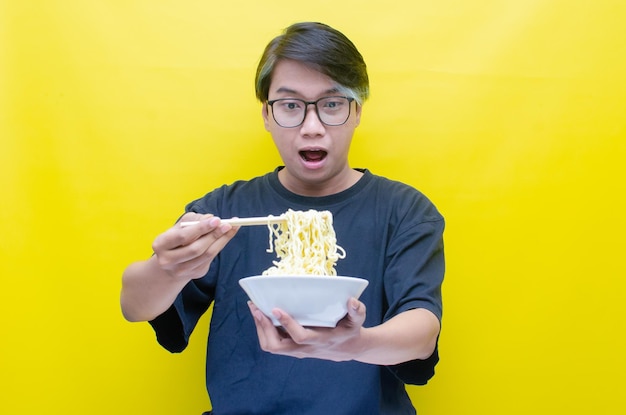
(393, 237)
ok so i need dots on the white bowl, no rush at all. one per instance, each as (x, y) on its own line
(313, 300)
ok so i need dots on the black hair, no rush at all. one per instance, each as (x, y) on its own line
(321, 48)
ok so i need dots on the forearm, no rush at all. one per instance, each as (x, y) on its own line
(408, 336)
(147, 290)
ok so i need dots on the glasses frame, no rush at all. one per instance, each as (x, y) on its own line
(306, 107)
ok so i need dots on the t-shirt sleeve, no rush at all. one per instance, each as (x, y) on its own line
(415, 269)
(413, 279)
(416, 372)
(174, 326)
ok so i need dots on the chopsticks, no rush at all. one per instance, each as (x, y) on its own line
(261, 220)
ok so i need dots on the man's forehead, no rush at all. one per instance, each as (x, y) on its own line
(293, 77)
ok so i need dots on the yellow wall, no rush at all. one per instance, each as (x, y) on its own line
(510, 115)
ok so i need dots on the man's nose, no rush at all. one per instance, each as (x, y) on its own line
(312, 123)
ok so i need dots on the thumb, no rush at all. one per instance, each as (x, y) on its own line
(356, 310)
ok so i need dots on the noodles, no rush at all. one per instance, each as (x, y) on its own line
(305, 244)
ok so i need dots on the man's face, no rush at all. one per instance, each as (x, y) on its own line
(315, 154)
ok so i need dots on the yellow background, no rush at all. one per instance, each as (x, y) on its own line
(510, 115)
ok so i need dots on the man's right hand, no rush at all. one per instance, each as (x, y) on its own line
(187, 252)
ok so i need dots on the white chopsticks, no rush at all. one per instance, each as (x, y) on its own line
(261, 220)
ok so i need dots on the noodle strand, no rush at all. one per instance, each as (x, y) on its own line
(305, 244)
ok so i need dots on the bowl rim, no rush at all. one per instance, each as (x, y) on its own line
(305, 276)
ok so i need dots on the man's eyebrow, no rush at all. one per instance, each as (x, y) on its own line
(286, 90)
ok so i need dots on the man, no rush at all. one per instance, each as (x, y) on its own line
(312, 83)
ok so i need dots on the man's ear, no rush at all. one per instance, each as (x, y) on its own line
(357, 113)
(266, 115)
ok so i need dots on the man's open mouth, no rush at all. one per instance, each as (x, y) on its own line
(313, 155)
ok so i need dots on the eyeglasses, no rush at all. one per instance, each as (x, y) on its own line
(291, 112)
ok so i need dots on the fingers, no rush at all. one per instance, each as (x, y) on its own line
(271, 338)
(356, 311)
(188, 251)
(292, 339)
(296, 332)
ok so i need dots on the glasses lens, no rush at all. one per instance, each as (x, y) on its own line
(288, 112)
(333, 110)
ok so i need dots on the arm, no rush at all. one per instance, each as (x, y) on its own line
(409, 335)
(180, 254)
